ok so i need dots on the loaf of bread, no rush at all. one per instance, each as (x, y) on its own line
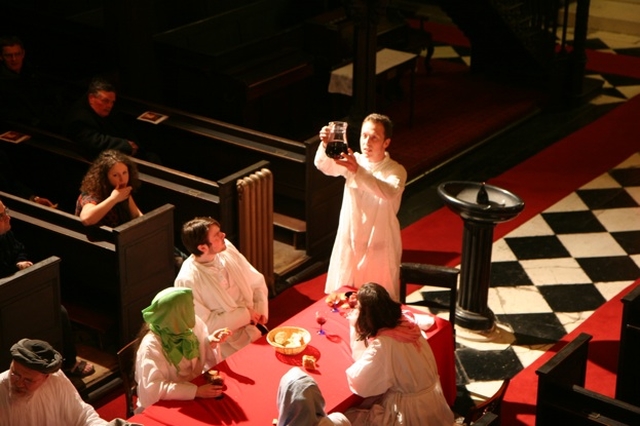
(309, 362)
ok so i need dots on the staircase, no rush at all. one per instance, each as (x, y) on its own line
(525, 41)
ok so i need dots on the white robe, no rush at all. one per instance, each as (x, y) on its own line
(54, 403)
(368, 246)
(223, 291)
(158, 379)
(401, 385)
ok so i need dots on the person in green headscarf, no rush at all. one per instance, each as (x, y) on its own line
(175, 348)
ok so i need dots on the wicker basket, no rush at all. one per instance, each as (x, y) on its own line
(289, 349)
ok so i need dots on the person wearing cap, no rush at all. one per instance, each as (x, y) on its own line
(175, 348)
(13, 258)
(35, 392)
(300, 402)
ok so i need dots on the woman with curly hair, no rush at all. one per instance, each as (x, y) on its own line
(106, 191)
(394, 367)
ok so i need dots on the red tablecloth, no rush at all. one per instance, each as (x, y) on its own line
(253, 375)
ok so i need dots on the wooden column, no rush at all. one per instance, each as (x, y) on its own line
(130, 27)
(365, 15)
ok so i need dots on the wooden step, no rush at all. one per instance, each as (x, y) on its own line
(297, 226)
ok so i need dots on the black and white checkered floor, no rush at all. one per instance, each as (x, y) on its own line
(552, 273)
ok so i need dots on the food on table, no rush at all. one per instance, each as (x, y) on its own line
(309, 362)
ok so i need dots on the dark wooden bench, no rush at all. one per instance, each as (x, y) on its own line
(562, 398)
(30, 307)
(192, 195)
(628, 376)
(112, 271)
(300, 190)
(222, 66)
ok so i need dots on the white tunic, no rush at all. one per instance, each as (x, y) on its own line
(54, 403)
(223, 291)
(158, 379)
(368, 246)
(402, 381)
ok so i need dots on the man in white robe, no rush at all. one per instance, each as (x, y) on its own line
(228, 291)
(35, 392)
(368, 246)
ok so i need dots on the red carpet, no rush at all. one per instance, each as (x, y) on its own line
(454, 111)
(519, 408)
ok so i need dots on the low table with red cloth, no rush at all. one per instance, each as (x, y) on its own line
(252, 375)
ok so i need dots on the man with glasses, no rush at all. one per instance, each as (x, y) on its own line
(227, 290)
(94, 125)
(35, 392)
(13, 258)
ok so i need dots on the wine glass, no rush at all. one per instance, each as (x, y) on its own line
(335, 303)
(321, 319)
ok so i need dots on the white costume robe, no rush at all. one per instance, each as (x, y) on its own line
(158, 379)
(401, 380)
(223, 291)
(54, 403)
(368, 246)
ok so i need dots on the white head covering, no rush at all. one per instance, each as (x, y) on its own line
(300, 402)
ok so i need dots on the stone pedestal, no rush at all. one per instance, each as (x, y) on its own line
(481, 207)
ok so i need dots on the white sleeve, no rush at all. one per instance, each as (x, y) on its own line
(368, 376)
(388, 188)
(152, 375)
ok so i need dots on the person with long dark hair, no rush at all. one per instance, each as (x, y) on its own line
(106, 191)
(394, 367)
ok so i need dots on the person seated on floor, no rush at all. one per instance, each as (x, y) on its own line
(106, 192)
(24, 96)
(175, 347)
(300, 402)
(33, 391)
(13, 258)
(228, 290)
(95, 126)
(382, 335)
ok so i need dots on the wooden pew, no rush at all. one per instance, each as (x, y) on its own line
(30, 307)
(628, 376)
(224, 65)
(562, 398)
(300, 190)
(65, 166)
(110, 273)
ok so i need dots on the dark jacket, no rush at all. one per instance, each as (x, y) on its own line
(96, 134)
(12, 251)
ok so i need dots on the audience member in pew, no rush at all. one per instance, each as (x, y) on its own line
(13, 258)
(394, 369)
(106, 192)
(94, 125)
(24, 97)
(8, 183)
(301, 403)
(228, 291)
(35, 392)
(368, 246)
(175, 348)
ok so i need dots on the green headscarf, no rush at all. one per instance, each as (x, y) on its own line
(172, 317)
